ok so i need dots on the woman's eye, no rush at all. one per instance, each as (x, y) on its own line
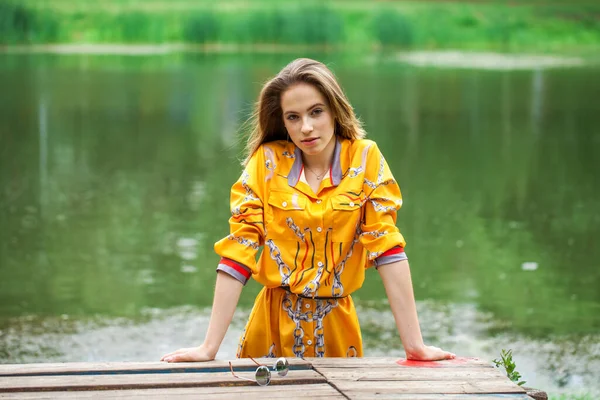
(292, 117)
(317, 111)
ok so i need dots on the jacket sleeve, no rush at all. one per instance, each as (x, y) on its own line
(379, 234)
(246, 226)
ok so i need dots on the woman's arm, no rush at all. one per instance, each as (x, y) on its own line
(227, 295)
(398, 286)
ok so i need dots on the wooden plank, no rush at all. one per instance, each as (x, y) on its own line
(387, 362)
(438, 396)
(142, 381)
(354, 388)
(192, 393)
(319, 391)
(411, 374)
(137, 367)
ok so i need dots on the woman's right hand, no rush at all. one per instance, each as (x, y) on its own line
(190, 354)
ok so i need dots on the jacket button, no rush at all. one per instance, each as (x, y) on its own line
(319, 229)
(351, 204)
(284, 204)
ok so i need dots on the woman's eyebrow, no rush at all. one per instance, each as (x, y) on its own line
(308, 109)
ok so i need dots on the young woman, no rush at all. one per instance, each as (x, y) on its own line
(322, 202)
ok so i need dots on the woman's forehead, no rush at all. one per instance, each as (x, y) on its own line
(301, 97)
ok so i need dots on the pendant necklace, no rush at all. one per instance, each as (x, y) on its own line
(318, 176)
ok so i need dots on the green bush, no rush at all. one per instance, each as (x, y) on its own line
(312, 25)
(267, 26)
(436, 29)
(502, 27)
(137, 27)
(201, 27)
(392, 28)
(19, 24)
(306, 25)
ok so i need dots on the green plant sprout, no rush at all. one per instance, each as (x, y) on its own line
(507, 362)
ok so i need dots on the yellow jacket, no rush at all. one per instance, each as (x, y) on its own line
(315, 244)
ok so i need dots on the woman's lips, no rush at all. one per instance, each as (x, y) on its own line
(310, 142)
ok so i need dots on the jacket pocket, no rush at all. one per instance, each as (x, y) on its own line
(286, 211)
(345, 218)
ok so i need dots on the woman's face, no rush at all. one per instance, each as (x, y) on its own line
(308, 118)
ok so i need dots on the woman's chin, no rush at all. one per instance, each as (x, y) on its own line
(311, 151)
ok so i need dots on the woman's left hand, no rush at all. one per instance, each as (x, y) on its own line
(429, 353)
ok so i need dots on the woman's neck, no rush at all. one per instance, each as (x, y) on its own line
(320, 162)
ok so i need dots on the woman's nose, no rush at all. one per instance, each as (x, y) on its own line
(306, 127)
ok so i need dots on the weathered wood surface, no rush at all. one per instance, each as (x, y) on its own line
(411, 374)
(427, 387)
(138, 367)
(329, 378)
(436, 396)
(391, 378)
(320, 391)
(388, 362)
(142, 381)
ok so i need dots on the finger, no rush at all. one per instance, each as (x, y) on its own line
(183, 357)
(168, 355)
(173, 353)
(173, 358)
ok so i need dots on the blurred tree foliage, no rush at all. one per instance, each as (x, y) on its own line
(21, 24)
(342, 25)
(392, 28)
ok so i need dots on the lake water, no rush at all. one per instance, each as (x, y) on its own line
(114, 182)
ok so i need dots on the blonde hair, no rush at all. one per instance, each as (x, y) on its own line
(266, 123)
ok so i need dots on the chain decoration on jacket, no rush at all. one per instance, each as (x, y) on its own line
(243, 241)
(375, 185)
(337, 289)
(351, 352)
(269, 163)
(250, 195)
(372, 255)
(311, 287)
(354, 172)
(271, 353)
(241, 343)
(375, 234)
(381, 207)
(381, 169)
(237, 211)
(296, 317)
(295, 228)
(284, 270)
(323, 307)
(370, 184)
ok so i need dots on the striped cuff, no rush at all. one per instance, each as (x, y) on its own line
(392, 255)
(234, 269)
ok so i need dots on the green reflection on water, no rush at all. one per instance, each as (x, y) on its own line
(115, 176)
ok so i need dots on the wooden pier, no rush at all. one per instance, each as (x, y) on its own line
(321, 378)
